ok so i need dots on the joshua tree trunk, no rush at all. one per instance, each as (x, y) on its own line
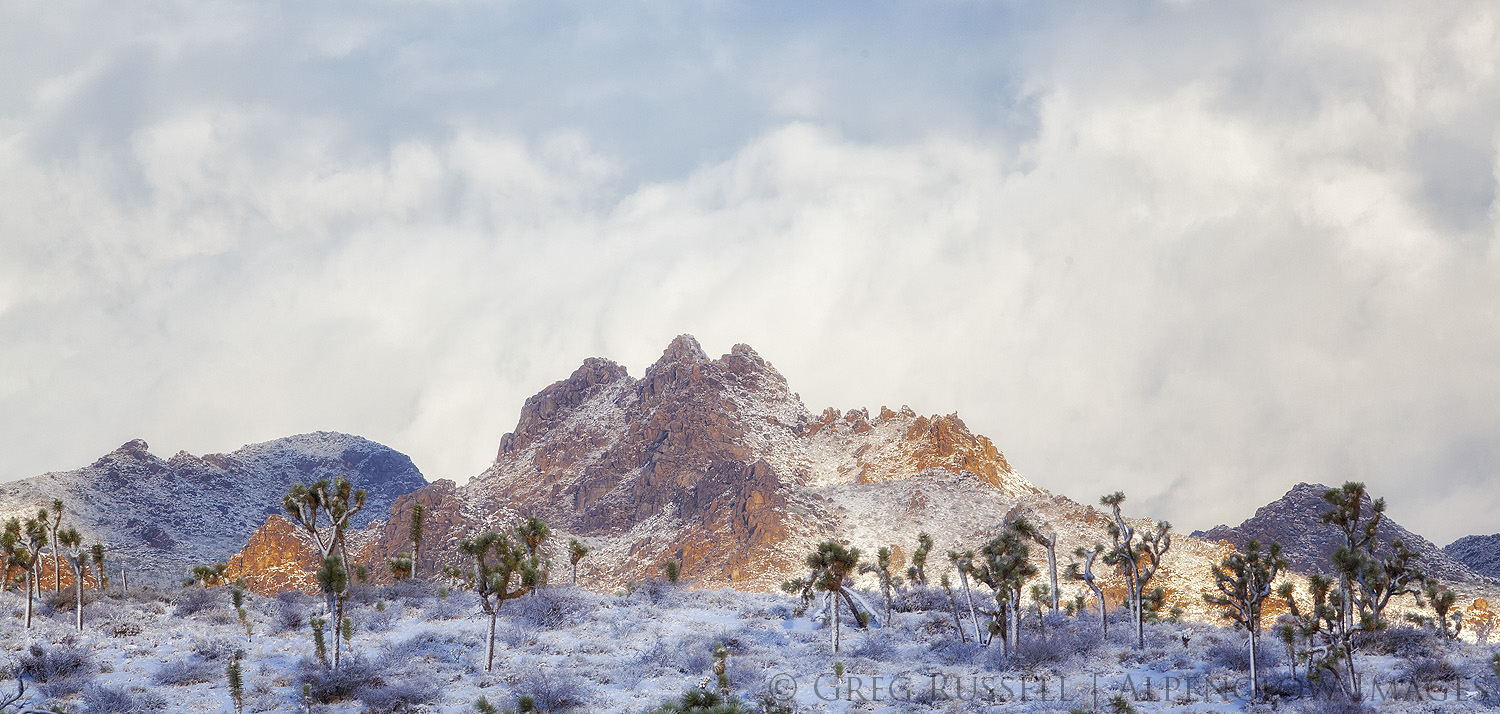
(489, 645)
(973, 617)
(78, 597)
(1052, 565)
(837, 624)
(30, 582)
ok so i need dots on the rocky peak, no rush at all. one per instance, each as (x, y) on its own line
(545, 409)
(683, 348)
(1295, 521)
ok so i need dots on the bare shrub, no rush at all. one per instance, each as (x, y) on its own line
(59, 671)
(1405, 642)
(104, 699)
(290, 611)
(191, 601)
(1429, 669)
(551, 608)
(399, 694)
(335, 685)
(553, 690)
(183, 672)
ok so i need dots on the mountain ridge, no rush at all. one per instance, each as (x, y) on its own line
(159, 516)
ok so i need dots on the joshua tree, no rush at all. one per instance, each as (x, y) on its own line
(31, 537)
(400, 567)
(576, 551)
(1137, 561)
(917, 573)
(964, 563)
(534, 532)
(1244, 582)
(1046, 540)
(501, 571)
(78, 559)
(1005, 569)
(236, 685)
(52, 524)
(1367, 580)
(831, 563)
(15, 560)
(958, 623)
(882, 569)
(1447, 620)
(339, 503)
(1086, 576)
(207, 575)
(97, 553)
(418, 514)
(673, 570)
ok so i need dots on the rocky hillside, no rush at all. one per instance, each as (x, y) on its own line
(1293, 521)
(160, 516)
(1479, 552)
(717, 464)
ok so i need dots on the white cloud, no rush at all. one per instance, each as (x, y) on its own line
(1196, 252)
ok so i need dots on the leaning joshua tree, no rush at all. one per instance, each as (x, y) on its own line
(1244, 581)
(501, 570)
(307, 506)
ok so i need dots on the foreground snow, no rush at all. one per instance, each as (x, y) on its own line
(415, 650)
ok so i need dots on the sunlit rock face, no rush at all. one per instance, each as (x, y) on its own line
(718, 465)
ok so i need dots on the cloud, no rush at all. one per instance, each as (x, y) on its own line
(1195, 251)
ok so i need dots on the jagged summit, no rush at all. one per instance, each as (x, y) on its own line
(683, 348)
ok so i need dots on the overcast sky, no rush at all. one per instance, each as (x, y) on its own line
(1198, 251)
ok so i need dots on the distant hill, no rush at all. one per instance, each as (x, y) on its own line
(160, 516)
(1293, 521)
(1479, 552)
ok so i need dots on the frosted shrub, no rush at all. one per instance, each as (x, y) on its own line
(1405, 642)
(551, 608)
(218, 649)
(289, 611)
(553, 690)
(877, 646)
(951, 651)
(403, 694)
(334, 685)
(182, 672)
(1429, 669)
(1234, 654)
(59, 671)
(191, 601)
(104, 699)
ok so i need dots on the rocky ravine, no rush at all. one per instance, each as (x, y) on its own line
(161, 516)
(717, 464)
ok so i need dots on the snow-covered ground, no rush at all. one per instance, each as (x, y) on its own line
(415, 650)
